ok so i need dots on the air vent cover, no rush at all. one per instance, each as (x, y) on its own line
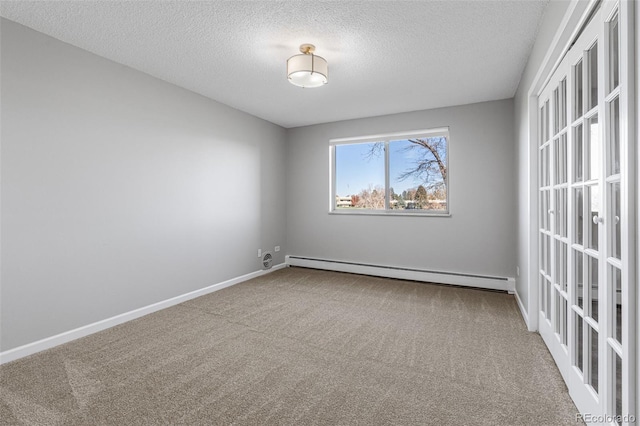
(267, 260)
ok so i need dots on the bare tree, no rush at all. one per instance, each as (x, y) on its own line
(429, 167)
(371, 198)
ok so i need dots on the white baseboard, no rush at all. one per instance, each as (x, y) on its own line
(524, 313)
(468, 280)
(67, 336)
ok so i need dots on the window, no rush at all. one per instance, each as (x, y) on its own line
(399, 173)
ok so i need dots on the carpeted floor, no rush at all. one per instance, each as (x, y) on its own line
(301, 347)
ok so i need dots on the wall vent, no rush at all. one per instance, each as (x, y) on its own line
(267, 260)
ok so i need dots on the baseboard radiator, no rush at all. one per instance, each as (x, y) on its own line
(462, 279)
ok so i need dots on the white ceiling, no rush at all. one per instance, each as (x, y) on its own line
(384, 56)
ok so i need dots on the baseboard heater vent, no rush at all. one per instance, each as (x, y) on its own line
(440, 277)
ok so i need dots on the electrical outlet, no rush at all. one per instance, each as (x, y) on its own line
(277, 248)
(517, 271)
(259, 252)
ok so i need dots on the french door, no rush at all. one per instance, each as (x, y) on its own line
(586, 308)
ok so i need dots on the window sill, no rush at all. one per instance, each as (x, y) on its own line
(386, 213)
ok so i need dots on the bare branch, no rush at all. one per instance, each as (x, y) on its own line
(375, 151)
(430, 166)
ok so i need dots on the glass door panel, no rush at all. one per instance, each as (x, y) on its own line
(561, 212)
(561, 265)
(592, 288)
(615, 224)
(614, 137)
(615, 275)
(578, 276)
(592, 56)
(579, 342)
(577, 90)
(578, 162)
(578, 221)
(593, 149)
(616, 386)
(593, 218)
(614, 56)
(593, 358)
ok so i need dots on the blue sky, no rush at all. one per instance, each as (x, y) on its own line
(354, 172)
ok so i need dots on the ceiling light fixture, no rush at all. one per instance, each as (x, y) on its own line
(307, 69)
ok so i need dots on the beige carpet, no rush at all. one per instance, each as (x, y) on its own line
(301, 347)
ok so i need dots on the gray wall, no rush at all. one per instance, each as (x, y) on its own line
(478, 238)
(120, 190)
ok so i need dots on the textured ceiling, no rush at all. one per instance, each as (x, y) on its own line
(384, 56)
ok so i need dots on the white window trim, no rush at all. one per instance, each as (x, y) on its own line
(386, 138)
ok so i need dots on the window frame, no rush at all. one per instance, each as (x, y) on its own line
(386, 138)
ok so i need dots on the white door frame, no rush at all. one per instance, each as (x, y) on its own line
(577, 14)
